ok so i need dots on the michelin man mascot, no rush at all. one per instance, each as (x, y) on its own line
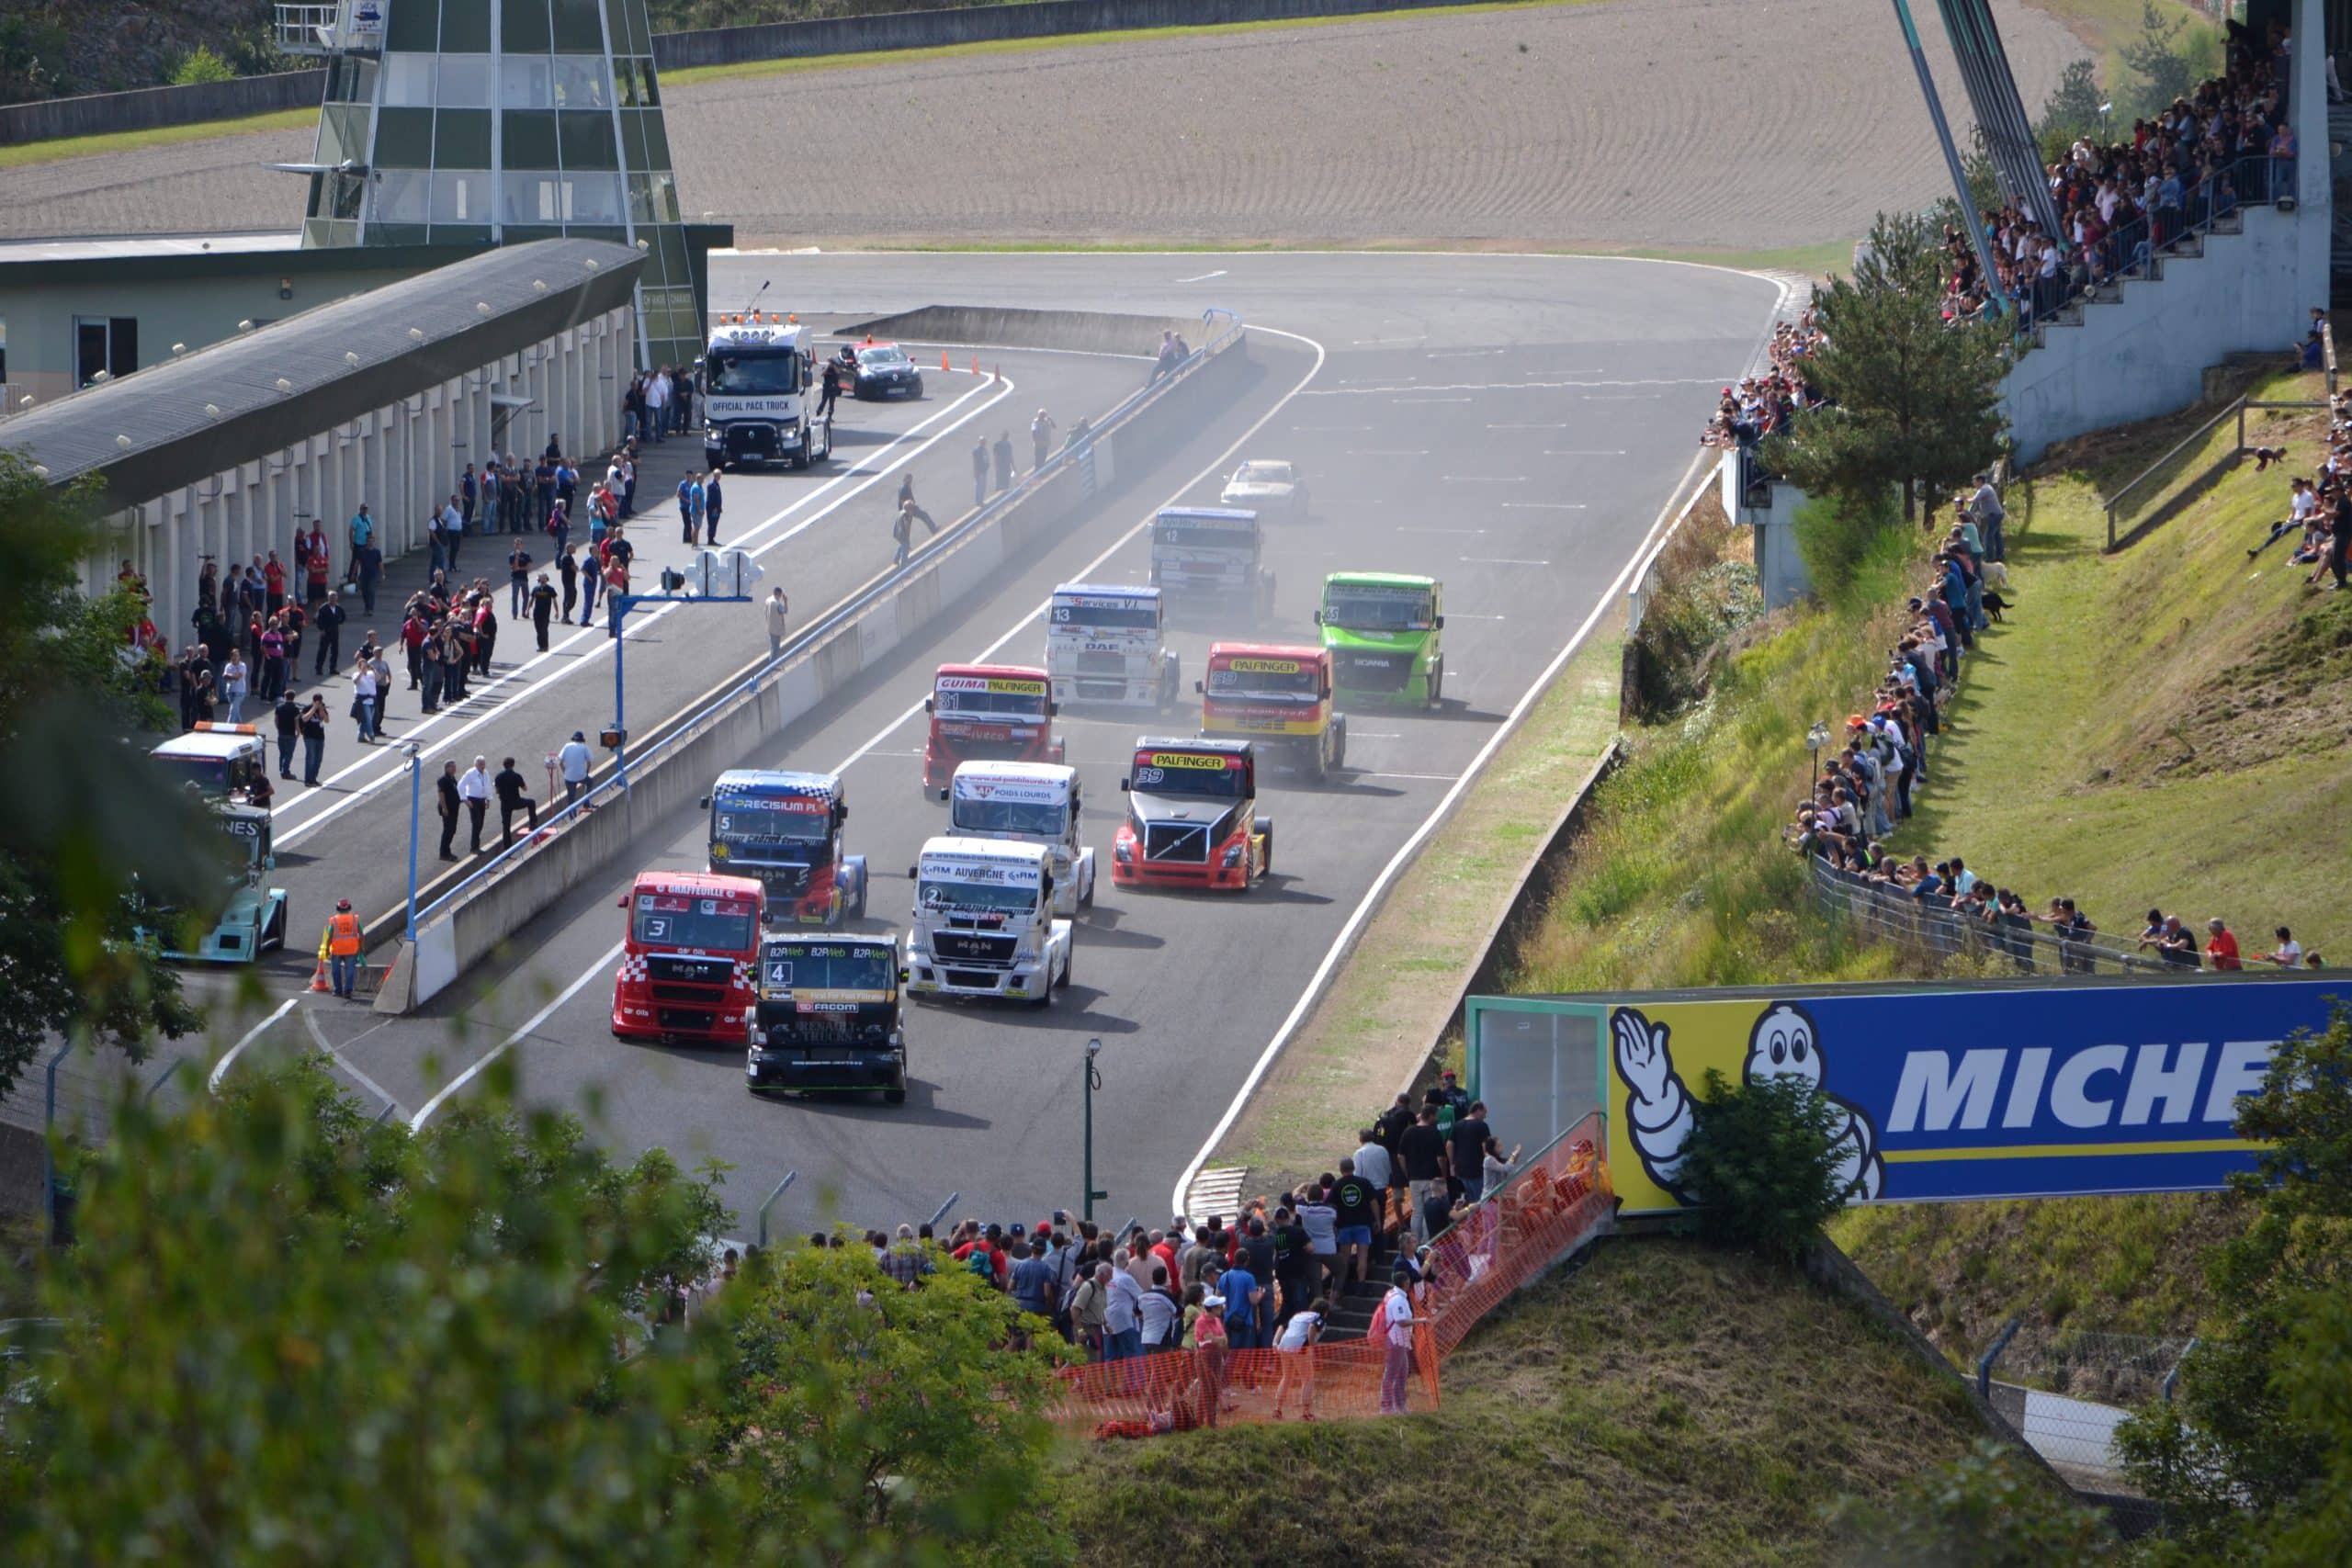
(1659, 1108)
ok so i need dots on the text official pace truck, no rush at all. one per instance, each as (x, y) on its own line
(1192, 817)
(1384, 631)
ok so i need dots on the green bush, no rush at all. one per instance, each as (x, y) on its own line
(200, 65)
(1762, 1164)
(1989, 1509)
(1840, 535)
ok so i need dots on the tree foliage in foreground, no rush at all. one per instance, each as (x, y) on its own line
(1762, 1164)
(1989, 1508)
(1916, 401)
(292, 1335)
(74, 721)
(2253, 1460)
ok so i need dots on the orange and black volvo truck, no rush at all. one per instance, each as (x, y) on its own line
(1193, 818)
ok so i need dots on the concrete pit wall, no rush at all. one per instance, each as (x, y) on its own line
(590, 845)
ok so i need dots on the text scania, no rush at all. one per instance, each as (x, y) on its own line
(2164, 1084)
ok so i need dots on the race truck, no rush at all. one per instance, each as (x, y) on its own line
(1210, 555)
(984, 922)
(1267, 485)
(1381, 629)
(688, 957)
(785, 829)
(1279, 694)
(252, 919)
(759, 402)
(1105, 643)
(219, 761)
(1193, 818)
(987, 712)
(882, 370)
(1031, 803)
(828, 1017)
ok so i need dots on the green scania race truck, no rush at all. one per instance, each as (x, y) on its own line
(1384, 630)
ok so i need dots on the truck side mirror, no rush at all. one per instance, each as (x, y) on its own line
(1319, 617)
(1053, 710)
(931, 704)
(905, 973)
(1198, 687)
(1441, 623)
(1122, 786)
(841, 811)
(910, 874)
(621, 902)
(706, 803)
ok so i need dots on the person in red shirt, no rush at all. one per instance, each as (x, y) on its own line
(2220, 947)
(273, 578)
(315, 566)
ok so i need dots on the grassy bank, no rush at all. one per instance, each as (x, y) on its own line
(1666, 1404)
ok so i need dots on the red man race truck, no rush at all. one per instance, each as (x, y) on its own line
(1278, 695)
(1193, 818)
(988, 713)
(690, 963)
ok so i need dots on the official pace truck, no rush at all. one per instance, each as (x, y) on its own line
(687, 957)
(1192, 817)
(1106, 642)
(986, 713)
(1032, 803)
(828, 1017)
(785, 828)
(984, 922)
(759, 401)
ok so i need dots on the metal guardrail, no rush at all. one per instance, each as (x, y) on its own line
(2155, 473)
(1898, 917)
(680, 731)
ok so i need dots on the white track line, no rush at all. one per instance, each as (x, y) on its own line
(639, 627)
(1398, 861)
(220, 1067)
(1026, 623)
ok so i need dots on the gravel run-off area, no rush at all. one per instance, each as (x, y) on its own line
(1668, 124)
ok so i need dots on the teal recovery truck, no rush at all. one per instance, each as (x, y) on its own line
(1384, 633)
(252, 919)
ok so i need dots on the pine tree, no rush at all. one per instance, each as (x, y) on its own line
(1916, 400)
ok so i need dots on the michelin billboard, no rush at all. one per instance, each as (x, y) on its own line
(2021, 1093)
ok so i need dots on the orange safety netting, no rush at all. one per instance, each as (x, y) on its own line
(1549, 1205)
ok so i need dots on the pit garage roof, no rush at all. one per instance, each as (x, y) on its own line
(186, 418)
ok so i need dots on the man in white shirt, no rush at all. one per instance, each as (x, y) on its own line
(1371, 1161)
(473, 788)
(1396, 1372)
(575, 761)
(656, 404)
(1122, 1318)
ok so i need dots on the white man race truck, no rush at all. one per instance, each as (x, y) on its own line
(984, 923)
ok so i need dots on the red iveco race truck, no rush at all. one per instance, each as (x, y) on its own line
(988, 713)
(690, 963)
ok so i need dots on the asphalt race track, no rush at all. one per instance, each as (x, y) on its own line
(1512, 425)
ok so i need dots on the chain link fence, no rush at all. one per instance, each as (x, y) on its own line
(1942, 934)
(2064, 1397)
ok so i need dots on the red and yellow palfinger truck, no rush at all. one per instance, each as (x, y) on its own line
(689, 960)
(1278, 696)
(1193, 818)
(988, 713)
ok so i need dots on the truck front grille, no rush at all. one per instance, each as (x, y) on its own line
(1187, 843)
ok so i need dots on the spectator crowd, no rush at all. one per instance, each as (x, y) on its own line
(1864, 790)
(1766, 404)
(2226, 142)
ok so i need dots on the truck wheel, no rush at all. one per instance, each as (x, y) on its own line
(1437, 683)
(859, 912)
(1319, 762)
(1268, 868)
(1070, 963)
(897, 1093)
(1086, 896)
(1338, 742)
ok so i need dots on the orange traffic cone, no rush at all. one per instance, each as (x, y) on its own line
(318, 976)
(943, 362)
(976, 365)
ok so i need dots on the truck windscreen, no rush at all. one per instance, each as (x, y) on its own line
(1200, 536)
(830, 968)
(712, 925)
(745, 373)
(946, 892)
(1266, 677)
(1036, 819)
(1377, 610)
(1015, 705)
(1108, 617)
(1186, 773)
(752, 823)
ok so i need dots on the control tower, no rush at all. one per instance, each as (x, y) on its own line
(486, 122)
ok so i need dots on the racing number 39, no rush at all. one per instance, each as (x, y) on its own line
(1146, 777)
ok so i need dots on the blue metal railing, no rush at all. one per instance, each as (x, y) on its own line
(1224, 327)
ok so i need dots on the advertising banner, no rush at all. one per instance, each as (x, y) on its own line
(2016, 1093)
